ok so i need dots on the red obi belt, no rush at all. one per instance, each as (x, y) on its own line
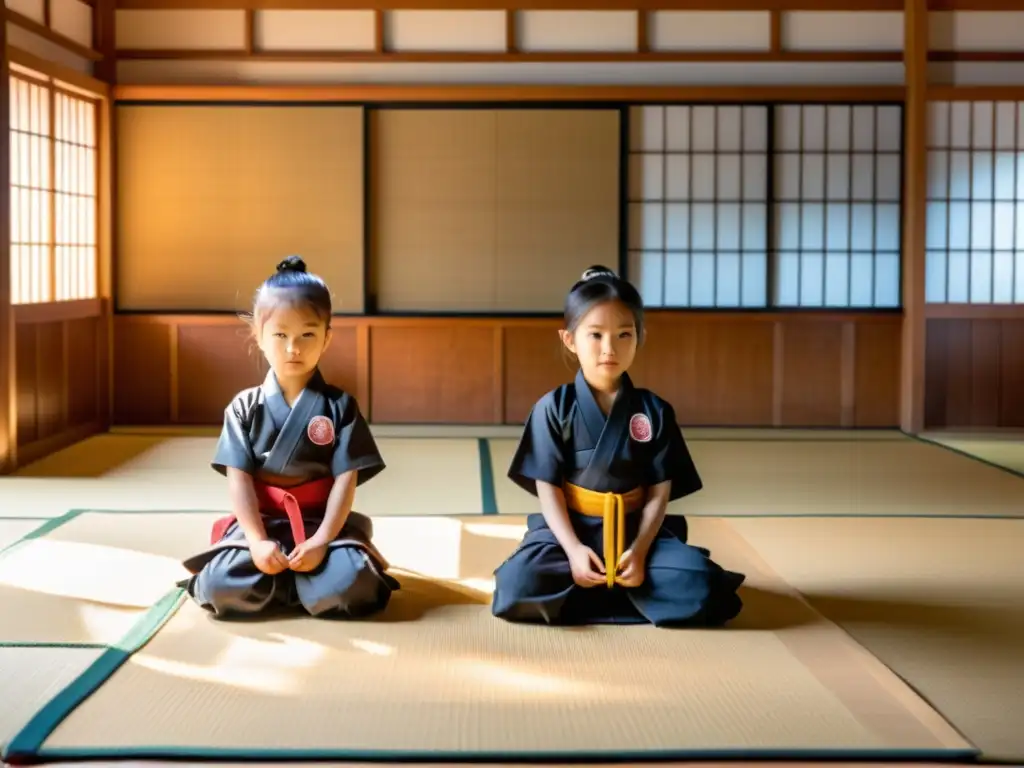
(290, 501)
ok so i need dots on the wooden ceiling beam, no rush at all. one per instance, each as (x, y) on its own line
(774, 6)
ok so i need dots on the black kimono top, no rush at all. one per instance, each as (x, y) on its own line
(322, 435)
(568, 439)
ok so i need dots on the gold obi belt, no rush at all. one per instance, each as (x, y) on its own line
(613, 507)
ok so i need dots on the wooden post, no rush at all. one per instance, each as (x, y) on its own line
(8, 390)
(915, 171)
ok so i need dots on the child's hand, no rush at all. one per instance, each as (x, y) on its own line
(587, 568)
(307, 555)
(631, 569)
(268, 557)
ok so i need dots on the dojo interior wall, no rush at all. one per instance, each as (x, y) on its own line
(721, 365)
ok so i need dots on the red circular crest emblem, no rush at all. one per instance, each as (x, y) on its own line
(640, 428)
(321, 430)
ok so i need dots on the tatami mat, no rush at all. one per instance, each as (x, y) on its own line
(1002, 450)
(87, 581)
(437, 676)
(30, 677)
(12, 530)
(828, 477)
(941, 602)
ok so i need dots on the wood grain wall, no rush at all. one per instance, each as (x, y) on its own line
(827, 370)
(61, 354)
(975, 369)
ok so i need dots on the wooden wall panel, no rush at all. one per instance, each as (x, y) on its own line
(58, 363)
(142, 373)
(974, 373)
(812, 361)
(533, 364)
(433, 372)
(716, 369)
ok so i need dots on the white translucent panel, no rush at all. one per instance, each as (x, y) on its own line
(647, 129)
(839, 118)
(647, 273)
(703, 169)
(1006, 126)
(1019, 226)
(837, 279)
(960, 125)
(959, 225)
(787, 177)
(957, 273)
(729, 227)
(703, 128)
(1018, 275)
(938, 174)
(863, 186)
(813, 138)
(677, 279)
(646, 176)
(677, 226)
(1020, 124)
(729, 176)
(755, 177)
(677, 177)
(862, 279)
(1002, 277)
(981, 277)
(755, 129)
(727, 279)
(1002, 227)
(862, 222)
(838, 169)
(982, 180)
(837, 222)
(702, 226)
(787, 127)
(730, 126)
(889, 129)
(646, 221)
(983, 126)
(677, 129)
(813, 182)
(887, 178)
(863, 129)
(702, 280)
(755, 227)
(787, 226)
(812, 275)
(887, 279)
(1020, 176)
(938, 124)
(887, 227)
(935, 225)
(755, 279)
(812, 226)
(787, 280)
(1004, 175)
(935, 277)
(981, 225)
(959, 175)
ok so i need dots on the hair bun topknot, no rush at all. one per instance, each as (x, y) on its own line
(597, 271)
(292, 264)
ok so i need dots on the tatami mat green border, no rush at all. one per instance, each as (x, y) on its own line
(489, 498)
(26, 744)
(952, 755)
